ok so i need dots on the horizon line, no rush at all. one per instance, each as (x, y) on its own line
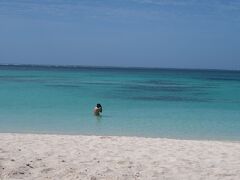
(113, 67)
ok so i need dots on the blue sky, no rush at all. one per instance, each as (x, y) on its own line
(143, 33)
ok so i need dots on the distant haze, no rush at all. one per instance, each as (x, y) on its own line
(143, 33)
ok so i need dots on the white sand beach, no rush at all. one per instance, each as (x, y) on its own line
(34, 156)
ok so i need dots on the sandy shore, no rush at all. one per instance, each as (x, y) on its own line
(32, 156)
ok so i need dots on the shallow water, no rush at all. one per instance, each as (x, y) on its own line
(183, 104)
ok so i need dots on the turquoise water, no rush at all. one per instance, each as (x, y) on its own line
(183, 104)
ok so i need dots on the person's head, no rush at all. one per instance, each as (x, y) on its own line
(99, 106)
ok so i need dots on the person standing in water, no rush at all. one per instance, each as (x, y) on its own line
(97, 110)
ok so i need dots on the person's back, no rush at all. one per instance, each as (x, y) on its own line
(97, 110)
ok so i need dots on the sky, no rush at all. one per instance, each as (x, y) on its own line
(202, 34)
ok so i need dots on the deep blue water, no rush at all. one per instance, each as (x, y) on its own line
(172, 103)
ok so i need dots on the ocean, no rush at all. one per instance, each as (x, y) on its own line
(166, 103)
